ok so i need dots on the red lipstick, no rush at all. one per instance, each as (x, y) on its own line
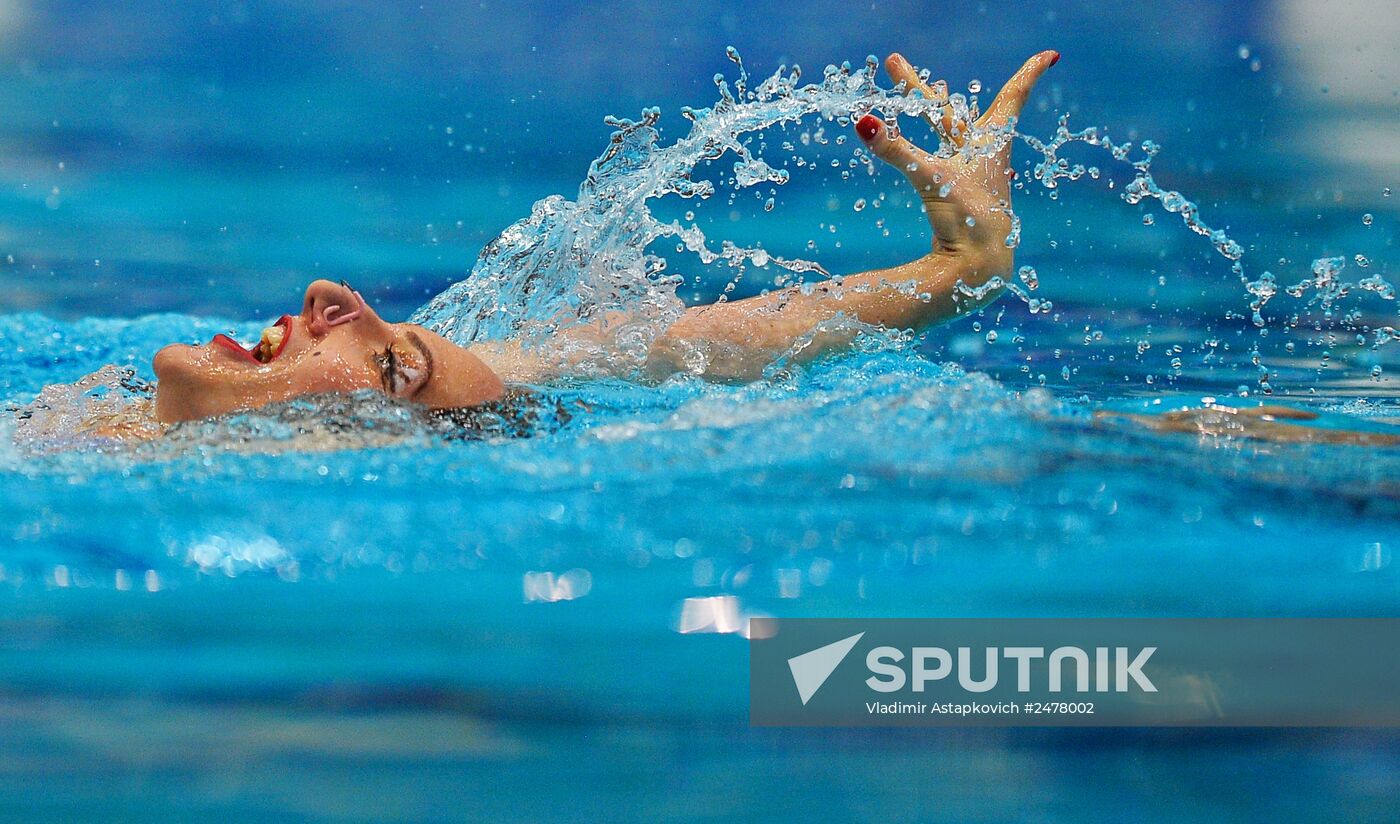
(235, 347)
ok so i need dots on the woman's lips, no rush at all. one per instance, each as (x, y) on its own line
(248, 353)
(235, 347)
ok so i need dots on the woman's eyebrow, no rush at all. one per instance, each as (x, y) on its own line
(427, 357)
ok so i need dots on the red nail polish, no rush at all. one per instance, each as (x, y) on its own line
(1055, 59)
(867, 127)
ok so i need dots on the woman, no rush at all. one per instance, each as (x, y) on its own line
(337, 343)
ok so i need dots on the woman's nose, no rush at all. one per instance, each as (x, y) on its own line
(328, 305)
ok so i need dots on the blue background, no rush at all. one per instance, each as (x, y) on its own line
(230, 625)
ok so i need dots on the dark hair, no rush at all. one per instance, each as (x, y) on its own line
(521, 413)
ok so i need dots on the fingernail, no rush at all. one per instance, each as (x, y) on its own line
(867, 127)
(1055, 59)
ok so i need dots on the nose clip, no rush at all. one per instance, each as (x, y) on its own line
(348, 316)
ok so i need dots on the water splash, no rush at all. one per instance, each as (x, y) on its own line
(1325, 291)
(1052, 168)
(592, 260)
(588, 260)
(95, 413)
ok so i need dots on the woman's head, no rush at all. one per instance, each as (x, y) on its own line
(337, 343)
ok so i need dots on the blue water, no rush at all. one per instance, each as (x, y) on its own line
(239, 624)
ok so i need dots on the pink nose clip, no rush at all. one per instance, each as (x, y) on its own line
(348, 316)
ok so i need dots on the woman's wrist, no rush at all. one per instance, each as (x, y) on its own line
(983, 259)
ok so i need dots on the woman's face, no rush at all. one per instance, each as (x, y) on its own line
(335, 344)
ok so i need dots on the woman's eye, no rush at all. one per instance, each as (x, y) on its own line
(399, 374)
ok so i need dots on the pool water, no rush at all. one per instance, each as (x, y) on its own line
(247, 622)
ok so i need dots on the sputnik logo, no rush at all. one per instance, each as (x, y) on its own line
(811, 669)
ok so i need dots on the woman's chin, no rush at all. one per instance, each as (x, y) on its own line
(186, 389)
(174, 360)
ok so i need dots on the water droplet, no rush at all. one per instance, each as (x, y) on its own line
(859, 205)
(1385, 192)
(768, 205)
(992, 336)
(1362, 261)
(1243, 52)
(975, 86)
(1367, 219)
(1148, 220)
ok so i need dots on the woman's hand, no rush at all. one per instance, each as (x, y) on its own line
(965, 185)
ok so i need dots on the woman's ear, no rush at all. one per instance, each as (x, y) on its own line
(404, 370)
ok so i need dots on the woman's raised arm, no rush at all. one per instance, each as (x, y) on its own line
(966, 194)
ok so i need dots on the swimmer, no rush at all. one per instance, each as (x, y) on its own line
(338, 343)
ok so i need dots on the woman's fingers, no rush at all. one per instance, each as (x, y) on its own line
(887, 144)
(1013, 95)
(1008, 102)
(943, 122)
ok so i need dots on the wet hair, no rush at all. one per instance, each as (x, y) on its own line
(521, 413)
(367, 418)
